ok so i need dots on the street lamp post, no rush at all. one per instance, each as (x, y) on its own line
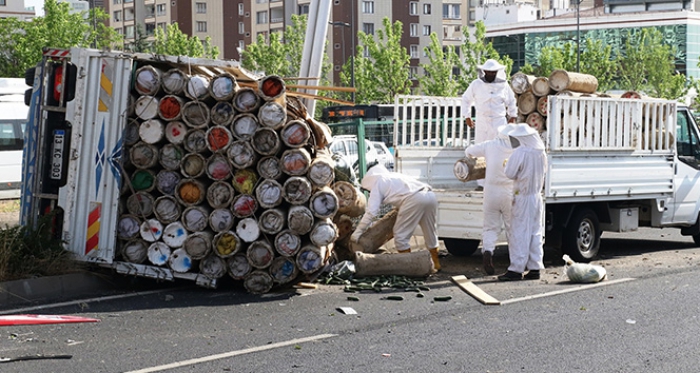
(578, 35)
(352, 55)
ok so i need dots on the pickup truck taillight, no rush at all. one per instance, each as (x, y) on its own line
(63, 82)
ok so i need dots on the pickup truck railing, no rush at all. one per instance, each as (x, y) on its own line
(646, 125)
(429, 121)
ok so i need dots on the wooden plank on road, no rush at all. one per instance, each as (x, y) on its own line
(475, 291)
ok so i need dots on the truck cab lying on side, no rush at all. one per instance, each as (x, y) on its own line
(613, 165)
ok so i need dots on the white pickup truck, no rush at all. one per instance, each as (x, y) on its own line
(614, 165)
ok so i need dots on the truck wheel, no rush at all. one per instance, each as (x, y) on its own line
(460, 246)
(696, 239)
(581, 240)
(29, 76)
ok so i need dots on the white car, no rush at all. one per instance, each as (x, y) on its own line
(13, 117)
(384, 155)
(346, 145)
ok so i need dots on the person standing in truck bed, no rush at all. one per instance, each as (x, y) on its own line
(494, 101)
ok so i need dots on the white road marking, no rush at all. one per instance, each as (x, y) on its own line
(567, 290)
(80, 301)
(232, 354)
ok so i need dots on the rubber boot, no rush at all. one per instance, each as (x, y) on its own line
(404, 251)
(436, 259)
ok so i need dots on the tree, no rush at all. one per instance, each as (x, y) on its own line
(385, 72)
(476, 52)
(438, 79)
(596, 60)
(22, 41)
(281, 54)
(174, 42)
(646, 64)
(549, 59)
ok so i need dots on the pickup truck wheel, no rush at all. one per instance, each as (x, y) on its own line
(460, 246)
(696, 239)
(581, 240)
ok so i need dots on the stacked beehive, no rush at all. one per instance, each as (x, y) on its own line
(532, 92)
(225, 177)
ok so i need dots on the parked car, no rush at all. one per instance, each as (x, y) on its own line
(346, 145)
(13, 117)
(384, 155)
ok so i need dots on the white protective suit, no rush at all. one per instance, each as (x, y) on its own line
(415, 201)
(498, 188)
(526, 166)
(494, 102)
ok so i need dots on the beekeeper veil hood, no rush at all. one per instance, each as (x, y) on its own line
(374, 173)
(505, 130)
(527, 136)
(492, 65)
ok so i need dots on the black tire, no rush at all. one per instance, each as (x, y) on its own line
(28, 97)
(29, 76)
(696, 239)
(460, 246)
(581, 239)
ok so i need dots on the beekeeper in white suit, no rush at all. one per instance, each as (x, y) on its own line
(498, 191)
(494, 101)
(416, 204)
(526, 166)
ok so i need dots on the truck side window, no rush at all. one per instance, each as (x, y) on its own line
(687, 143)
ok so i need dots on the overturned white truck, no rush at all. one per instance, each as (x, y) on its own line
(614, 165)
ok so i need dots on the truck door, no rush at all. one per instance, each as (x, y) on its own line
(686, 181)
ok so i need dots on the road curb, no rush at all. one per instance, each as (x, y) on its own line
(51, 288)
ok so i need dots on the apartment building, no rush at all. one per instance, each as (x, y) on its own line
(15, 9)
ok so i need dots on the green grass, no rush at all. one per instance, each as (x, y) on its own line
(27, 253)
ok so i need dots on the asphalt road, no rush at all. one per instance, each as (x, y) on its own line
(643, 318)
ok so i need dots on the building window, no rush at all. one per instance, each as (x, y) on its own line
(241, 28)
(413, 72)
(414, 51)
(413, 28)
(368, 28)
(262, 18)
(426, 30)
(261, 1)
(129, 14)
(201, 26)
(163, 26)
(128, 1)
(150, 29)
(241, 46)
(160, 10)
(304, 9)
(119, 30)
(368, 7)
(427, 9)
(451, 11)
(241, 9)
(202, 8)
(129, 32)
(116, 1)
(150, 10)
(117, 16)
(413, 8)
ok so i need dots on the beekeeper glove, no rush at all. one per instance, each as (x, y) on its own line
(361, 228)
